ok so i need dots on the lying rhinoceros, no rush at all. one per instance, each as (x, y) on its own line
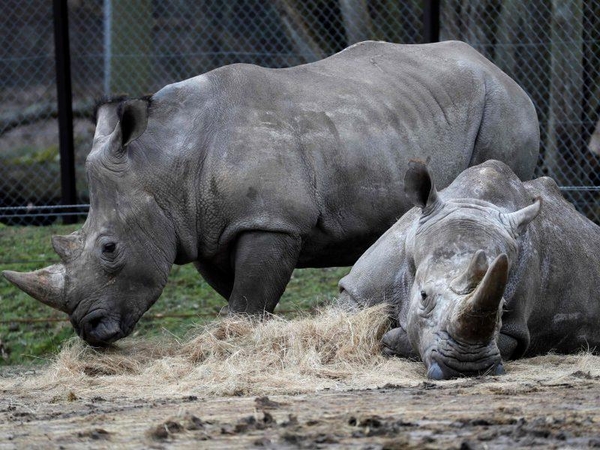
(250, 172)
(478, 273)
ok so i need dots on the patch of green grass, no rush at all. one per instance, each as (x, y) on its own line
(186, 295)
(31, 155)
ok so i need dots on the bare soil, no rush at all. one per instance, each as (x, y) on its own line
(465, 414)
(314, 382)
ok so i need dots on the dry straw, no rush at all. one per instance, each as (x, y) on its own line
(333, 349)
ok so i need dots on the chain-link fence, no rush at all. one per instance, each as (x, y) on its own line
(29, 172)
(551, 47)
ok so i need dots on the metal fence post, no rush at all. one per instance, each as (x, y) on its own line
(65, 106)
(431, 21)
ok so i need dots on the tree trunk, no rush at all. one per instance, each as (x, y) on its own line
(563, 138)
(533, 66)
(297, 31)
(509, 25)
(478, 25)
(395, 21)
(131, 41)
(450, 20)
(472, 21)
(594, 144)
(357, 21)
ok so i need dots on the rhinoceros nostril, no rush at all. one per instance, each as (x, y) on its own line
(93, 323)
(499, 369)
(101, 331)
(435, 372)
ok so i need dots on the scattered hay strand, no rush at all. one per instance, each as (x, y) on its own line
(333, 349)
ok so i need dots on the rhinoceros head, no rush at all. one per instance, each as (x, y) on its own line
(115, 267)
(462, 253)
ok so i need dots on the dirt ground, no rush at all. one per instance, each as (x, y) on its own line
(465, 414)
(312, 382)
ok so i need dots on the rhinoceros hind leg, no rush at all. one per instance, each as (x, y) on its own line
(263, 262)
(395, 343)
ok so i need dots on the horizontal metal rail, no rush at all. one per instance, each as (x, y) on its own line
(580, 188)
(32, 211)
(25, 216)
(29, 207)
(67, 210)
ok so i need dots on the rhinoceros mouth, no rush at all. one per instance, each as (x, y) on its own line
(100, 329)
(441, 370)
(456, 359)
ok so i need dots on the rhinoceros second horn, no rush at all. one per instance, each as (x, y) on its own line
(46, 285)
(476, 319)
(466, 282)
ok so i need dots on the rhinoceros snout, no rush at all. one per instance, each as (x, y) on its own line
(100, 330)
(440, 371)
(435, 372)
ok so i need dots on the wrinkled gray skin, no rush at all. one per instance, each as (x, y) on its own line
(478, 273)
(250, 172)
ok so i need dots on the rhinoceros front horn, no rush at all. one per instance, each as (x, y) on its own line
(476, 318)
(46, 285)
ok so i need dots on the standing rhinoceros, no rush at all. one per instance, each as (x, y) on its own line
(480, 272)
(250, 172)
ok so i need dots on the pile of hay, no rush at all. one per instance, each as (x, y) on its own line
(333, 349)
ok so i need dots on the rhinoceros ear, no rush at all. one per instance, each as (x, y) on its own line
(517, 221)
(419, 187)
(106, 119)
(133, 119)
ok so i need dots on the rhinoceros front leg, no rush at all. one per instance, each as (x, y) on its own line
(395, 343)
(220, 281)
(263, 265)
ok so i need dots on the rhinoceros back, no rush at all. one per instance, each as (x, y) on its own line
(320, 150)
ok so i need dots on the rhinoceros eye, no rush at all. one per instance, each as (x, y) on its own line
(109, 248)
(427, 305)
